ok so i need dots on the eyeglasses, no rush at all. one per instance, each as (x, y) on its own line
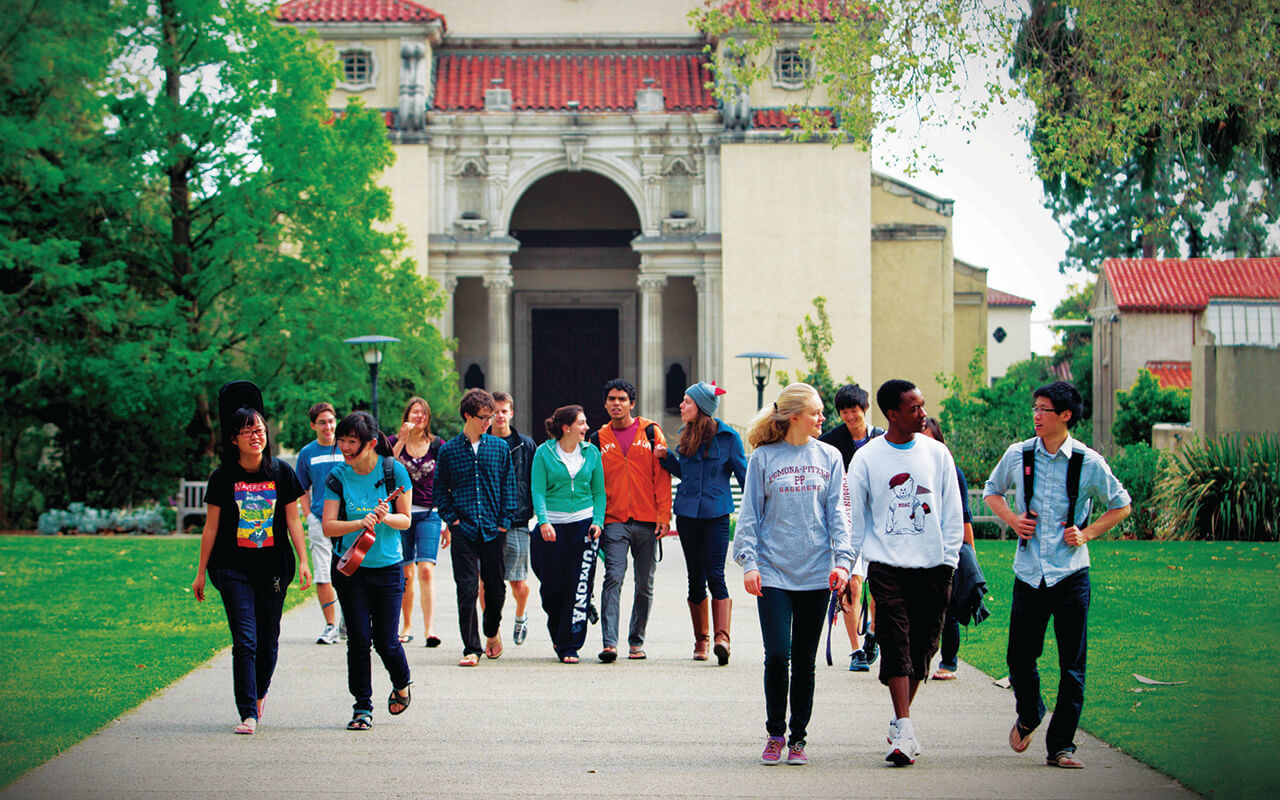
(1039, 411)
(254, 433)
(484, 417)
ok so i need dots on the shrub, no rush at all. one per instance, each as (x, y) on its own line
(1146, 404)
(1228, 488)
(79, 518)
(1139, 467)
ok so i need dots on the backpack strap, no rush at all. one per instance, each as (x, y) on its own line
(388, 482)
(1073, 484)
(334, 487)
(1028, 474)
(650, 435)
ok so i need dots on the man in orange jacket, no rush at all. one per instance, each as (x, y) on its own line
(637, 512)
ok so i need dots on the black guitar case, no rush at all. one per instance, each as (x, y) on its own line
(236, 395)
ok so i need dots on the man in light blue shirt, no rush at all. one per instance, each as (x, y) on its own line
(1051, 564)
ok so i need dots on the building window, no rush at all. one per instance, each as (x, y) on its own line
(999, 335)
(791, 68)
(359, 69)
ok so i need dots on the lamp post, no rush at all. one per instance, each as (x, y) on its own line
(370, 349)
(761, 363)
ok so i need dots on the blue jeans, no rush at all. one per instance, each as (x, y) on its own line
(421, 540)
(1067, 601)
(791, 625)
(370, 601)
(566, 570)
(705, 543)
(253, 609)
(950, 643)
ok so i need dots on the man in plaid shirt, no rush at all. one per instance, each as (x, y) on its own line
(475, 491)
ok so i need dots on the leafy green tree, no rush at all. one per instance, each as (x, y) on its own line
(1145, 404)
(980, 421)
(815, 342)
(886, 67)
(1157, 124)
(185, 209)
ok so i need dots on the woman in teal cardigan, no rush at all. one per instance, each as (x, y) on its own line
(568, 500)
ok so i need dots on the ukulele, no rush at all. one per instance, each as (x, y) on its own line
(350, 560)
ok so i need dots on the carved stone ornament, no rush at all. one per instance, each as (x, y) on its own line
(574, 145)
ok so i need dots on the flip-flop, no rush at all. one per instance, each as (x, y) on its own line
(248, 726)
(637, 654)
(469, 660)
(405, 638)
(433, 641)
(493, 652)
(608, 655)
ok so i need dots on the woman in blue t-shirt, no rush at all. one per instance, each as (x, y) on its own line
(355, 500)
(251, 533)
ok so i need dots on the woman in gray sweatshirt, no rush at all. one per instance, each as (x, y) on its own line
(793, 544)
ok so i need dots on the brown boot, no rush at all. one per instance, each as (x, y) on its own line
(701, 630)
(721, 612)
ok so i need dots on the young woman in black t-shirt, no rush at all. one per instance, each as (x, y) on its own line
(252, 533)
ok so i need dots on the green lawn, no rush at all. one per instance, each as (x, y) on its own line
(92, 627)
(1201, 612)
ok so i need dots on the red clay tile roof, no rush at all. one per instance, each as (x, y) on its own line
(772, 118)
(598, 81)
(796, 10)
(356, 11)
(1175, 284)
(995, 297)
(1171, 374)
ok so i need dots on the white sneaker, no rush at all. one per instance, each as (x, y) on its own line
(903, 748)
(893, 731)
(328, 636)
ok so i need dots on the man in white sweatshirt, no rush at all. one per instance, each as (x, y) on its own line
(908, 523)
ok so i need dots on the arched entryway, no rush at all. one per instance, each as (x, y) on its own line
(574, 299)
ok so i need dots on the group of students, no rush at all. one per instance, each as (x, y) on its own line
(810, 517)
(819, 513)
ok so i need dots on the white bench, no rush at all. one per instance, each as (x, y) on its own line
(190, 500)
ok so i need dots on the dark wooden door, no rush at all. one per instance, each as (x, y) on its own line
(574, 352)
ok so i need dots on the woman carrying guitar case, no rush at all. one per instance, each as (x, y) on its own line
(366, 494)
(252, 533)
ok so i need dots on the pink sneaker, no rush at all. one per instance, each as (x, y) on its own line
(795, 754)
(773, 750)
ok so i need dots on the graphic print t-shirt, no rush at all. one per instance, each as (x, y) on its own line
(253, 534)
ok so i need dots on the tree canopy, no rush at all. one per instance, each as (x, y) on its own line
(1157, 124)
(179, 207)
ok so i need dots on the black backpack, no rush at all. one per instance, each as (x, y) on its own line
(1074, 466)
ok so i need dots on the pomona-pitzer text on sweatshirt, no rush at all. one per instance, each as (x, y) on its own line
(794, 523)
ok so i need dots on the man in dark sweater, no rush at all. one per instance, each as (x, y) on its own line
(852, 403)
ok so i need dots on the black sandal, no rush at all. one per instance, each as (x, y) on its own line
(396, 699)
(360, 721)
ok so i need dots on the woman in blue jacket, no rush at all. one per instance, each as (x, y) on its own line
(709, 451)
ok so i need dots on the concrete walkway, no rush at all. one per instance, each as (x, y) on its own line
(525, 725)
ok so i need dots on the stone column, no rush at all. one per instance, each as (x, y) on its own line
(449, 284)
(709, 328)
(499, 375)
(651, 374)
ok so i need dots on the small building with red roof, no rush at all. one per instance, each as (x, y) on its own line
(590, 208)
(1008, 331)
(1153, 313)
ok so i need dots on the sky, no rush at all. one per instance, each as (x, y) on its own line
(1000, 220)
